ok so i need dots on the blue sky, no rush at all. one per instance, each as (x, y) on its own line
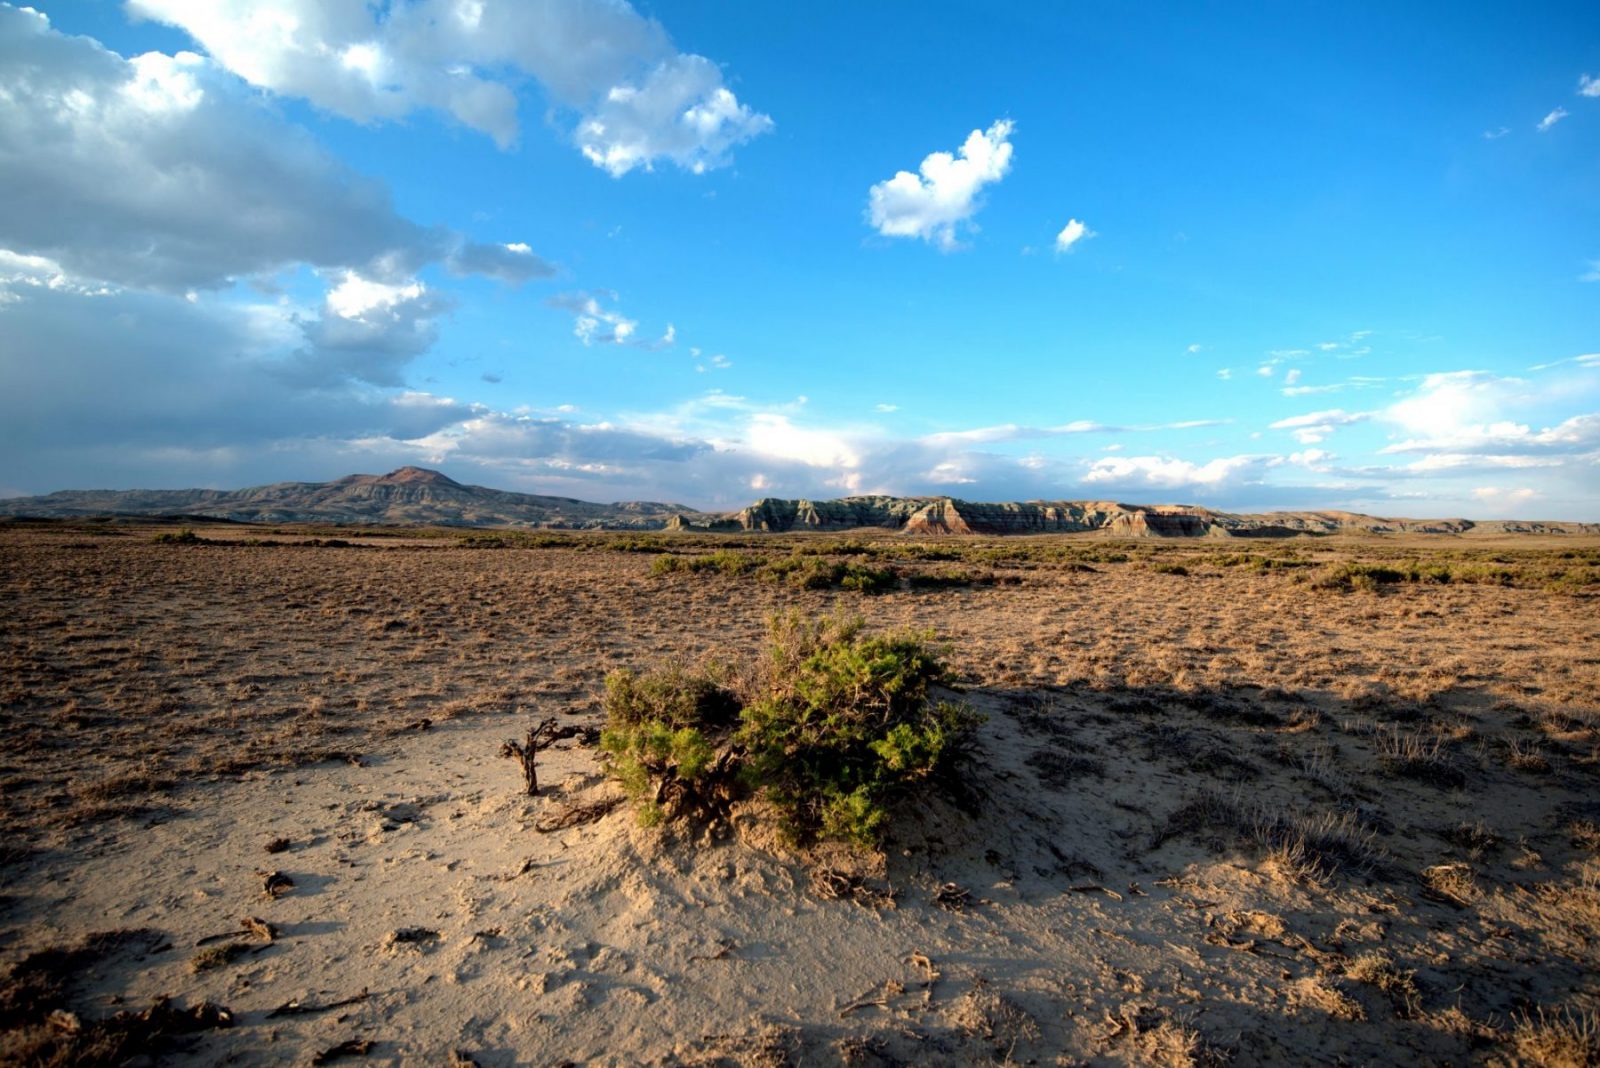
(1252, 256)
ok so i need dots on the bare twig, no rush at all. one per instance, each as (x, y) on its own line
(539, 736)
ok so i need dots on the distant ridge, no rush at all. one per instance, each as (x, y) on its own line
(417, 496)
(409, 496)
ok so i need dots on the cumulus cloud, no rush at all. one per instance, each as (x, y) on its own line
(1461, 421)
(938, 201)
(157, 172)
(1551, 119)
(1579, 434)
(368, 331)
(1445, 404)
(1071, 234)
(680, 112)
(129, 384)
(1588, 86)
(638, 99)
(1166, 472)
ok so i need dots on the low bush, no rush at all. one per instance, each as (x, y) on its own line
(185, 536)
(725, 561)
(833, 729)
(947, 577)
(866, 579)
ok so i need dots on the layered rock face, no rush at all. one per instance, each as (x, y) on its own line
(775, 515)
(418, 496)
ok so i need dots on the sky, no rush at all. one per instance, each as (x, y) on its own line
(1251, 256)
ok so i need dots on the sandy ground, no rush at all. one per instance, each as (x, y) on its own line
(1215, 816)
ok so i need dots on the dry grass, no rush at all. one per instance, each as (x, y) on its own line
(1407, 774)
(1560, 1038)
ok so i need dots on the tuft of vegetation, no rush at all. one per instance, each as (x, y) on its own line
(1315, 845)
(1564, 1036)
(835, 728)
(183, 536)
(803, 570)
(724, 561)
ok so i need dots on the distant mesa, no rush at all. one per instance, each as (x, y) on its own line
(417, 496)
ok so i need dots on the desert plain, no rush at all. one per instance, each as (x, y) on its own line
(1302, 800)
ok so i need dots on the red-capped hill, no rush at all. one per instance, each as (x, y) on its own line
(400, 476)
(408, 474)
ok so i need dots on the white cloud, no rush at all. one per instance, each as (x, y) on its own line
(1592, 274)
(638, 99)
(1496, 495)
(1266, 370)
(1292, 376)
(158, 172)
(1496, 134)
(941, 199)
(1164, 472)
(1551, 119)
(1314, 427)
(681, 113)
(1225, 373)
(1588, 86)
(1315, 459)
(1192, 349)
(1446, 404)
(1581, 433)
(593, 323)
(369, 331)
(886, 407)
(1071, 234)
(354, 297)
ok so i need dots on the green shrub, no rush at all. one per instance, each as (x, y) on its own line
(845, 727)
(947, 577)
(185, 536)
(807, 572)
(869, 579)
(673, 695)
(838, 727)
(804, 572)
(1353, 576)
(725, 561)
(658, 736)
(637, 545)
(1169, 569)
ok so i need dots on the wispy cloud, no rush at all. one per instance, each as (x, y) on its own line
(1551, 119)
(1314, 427)
(593, 323)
